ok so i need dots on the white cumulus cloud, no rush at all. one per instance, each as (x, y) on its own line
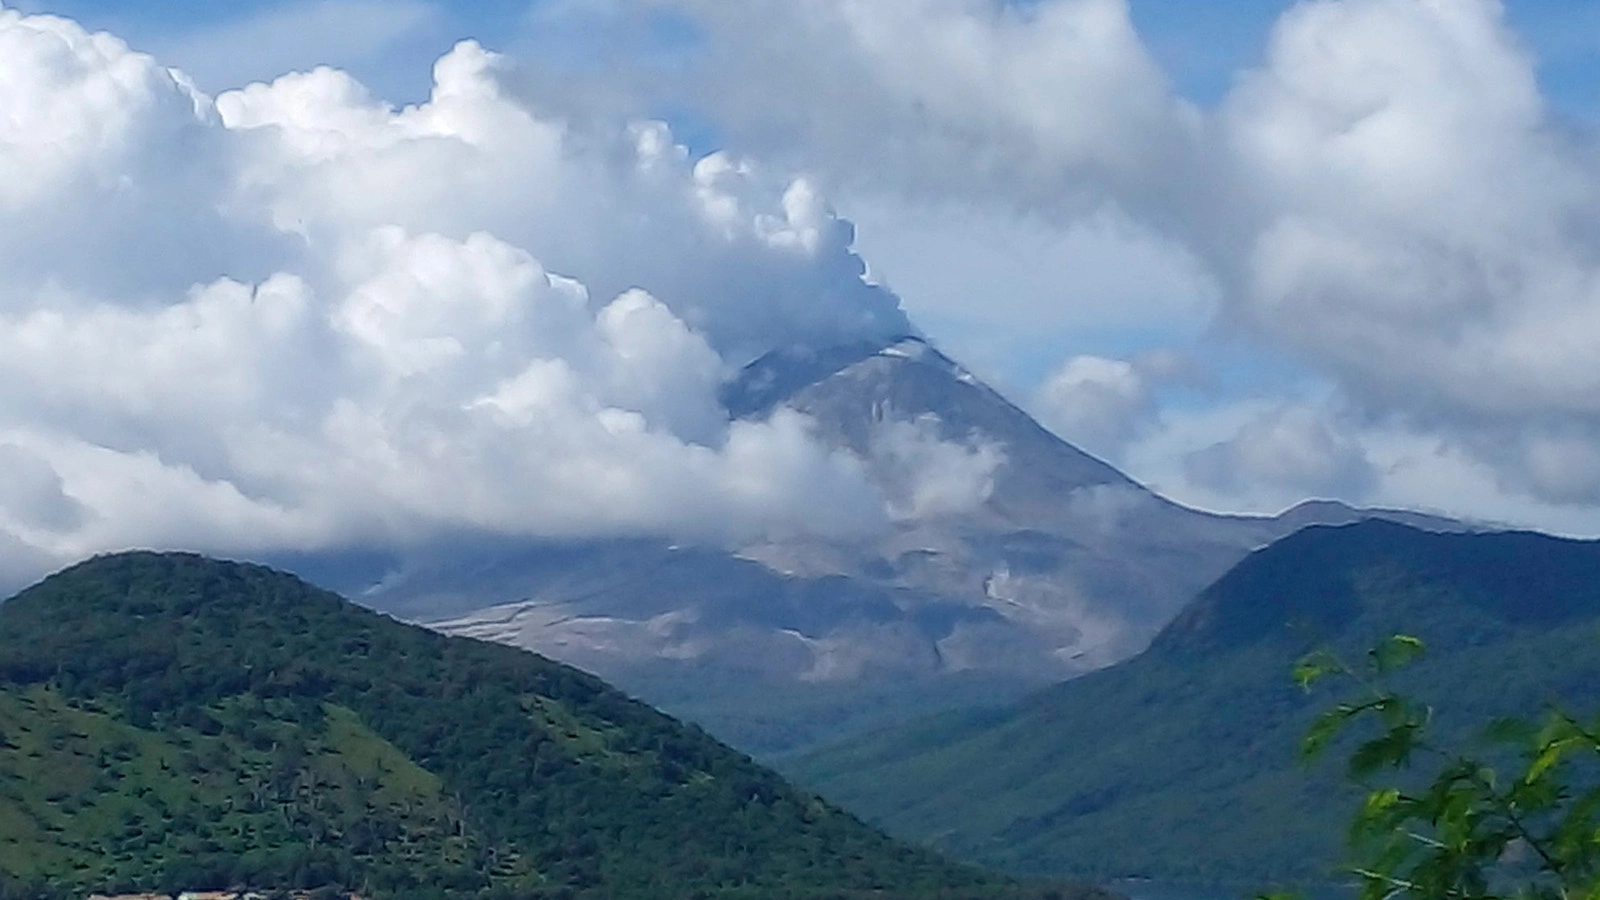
(1102, 404)
(1094, 402)
(294, 316)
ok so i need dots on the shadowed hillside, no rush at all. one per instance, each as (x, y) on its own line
(1181, 763)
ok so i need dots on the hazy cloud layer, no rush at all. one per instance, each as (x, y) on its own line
(1427, 231)
(945, 97)
(1288, 447)
(924, 476)
(1103, 404)
(1385, 198)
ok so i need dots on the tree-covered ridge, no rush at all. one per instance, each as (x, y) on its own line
(173, 721)
(1181, 763)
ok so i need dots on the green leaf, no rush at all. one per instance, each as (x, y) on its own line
(1390, 750)
(1380, 813)
(1325, 727)
(1394, 710)
(1379, 802)
(1314, 667)
(1549, 756)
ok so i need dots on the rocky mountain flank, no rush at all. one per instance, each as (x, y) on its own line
(1065, 566)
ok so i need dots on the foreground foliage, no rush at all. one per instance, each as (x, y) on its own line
(1517, 816)
(172, 722)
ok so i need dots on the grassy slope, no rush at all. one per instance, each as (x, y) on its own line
(86, 793)
(1181, 763)
(171, 721)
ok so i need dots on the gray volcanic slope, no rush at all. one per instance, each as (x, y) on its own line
(1068, 566)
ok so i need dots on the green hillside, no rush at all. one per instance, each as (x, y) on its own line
(172, 722)
(1181, 763)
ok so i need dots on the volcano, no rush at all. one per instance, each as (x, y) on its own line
(1064, 565)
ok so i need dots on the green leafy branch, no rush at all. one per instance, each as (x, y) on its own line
(1466, 833)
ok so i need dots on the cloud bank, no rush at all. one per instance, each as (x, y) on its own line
(1385, 198)
(294, 317)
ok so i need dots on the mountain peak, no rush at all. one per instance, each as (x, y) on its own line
(917, 350)
(771, 379)
(850, 390)
(155, 586)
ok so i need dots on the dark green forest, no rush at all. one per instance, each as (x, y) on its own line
(173, 722)
(1182, 764)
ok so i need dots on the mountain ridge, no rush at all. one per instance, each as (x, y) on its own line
(1200, 731)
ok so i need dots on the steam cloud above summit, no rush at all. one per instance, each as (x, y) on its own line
(1386, 197)
(295, 317)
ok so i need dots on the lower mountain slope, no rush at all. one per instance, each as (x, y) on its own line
(1182, 762)
(176, 723)
(784, 644)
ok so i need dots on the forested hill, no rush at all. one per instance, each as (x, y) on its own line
(1181, 763)
(178, 723)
